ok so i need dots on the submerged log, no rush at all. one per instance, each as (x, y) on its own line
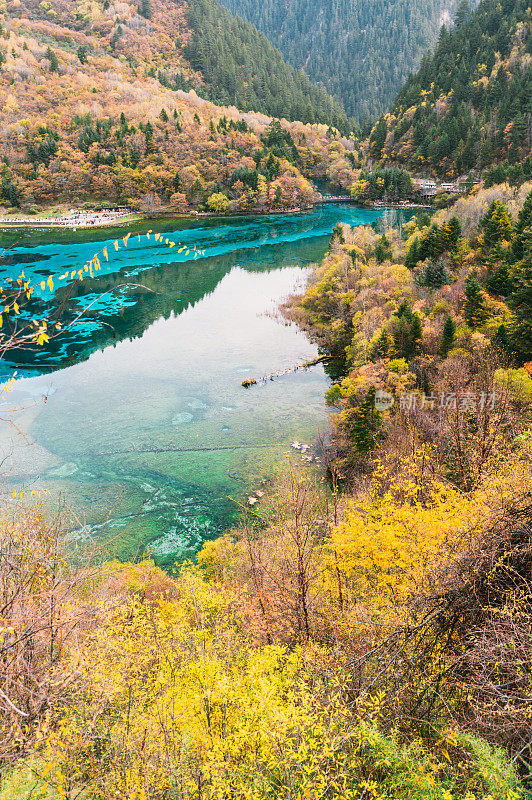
(254, 381)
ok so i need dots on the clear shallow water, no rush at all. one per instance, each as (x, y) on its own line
(145, 423)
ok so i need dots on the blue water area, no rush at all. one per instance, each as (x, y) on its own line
(136, 416)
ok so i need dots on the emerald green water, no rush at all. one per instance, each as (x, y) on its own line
(146, 431)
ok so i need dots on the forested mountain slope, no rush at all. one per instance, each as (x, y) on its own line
(99, 103)
(196, 45)
(362, 50)
(242, 68)
(470, 103)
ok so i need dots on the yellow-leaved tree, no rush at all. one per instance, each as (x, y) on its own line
(174, 701)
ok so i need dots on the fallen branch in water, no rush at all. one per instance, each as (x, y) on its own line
(254, 381)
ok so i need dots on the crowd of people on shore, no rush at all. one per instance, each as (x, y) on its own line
(73, 219)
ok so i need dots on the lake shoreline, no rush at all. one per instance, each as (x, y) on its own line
(134, 217)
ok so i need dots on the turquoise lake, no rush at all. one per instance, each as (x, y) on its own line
(136, 417)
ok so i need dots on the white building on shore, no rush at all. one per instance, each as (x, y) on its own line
(427, 187)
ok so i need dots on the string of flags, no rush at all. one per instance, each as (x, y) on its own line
(90, 267)
(9, 305)
(94, 264)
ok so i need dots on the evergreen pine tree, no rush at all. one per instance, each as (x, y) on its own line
(462, 14)
(145, 8)
(474, 309)
(381, 347)
(520, 301)
(496, 224)
(435, 275)
(148, 136)
(364, 423)
(412, 257)
(498, 281)
(81, 53)
(447, 339)
(501, 340)
(407, 332)
(52, 58)
(455, 232)
(524, 221)
(378, 137)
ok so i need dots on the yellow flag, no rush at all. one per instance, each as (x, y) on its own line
(43, 285)
(50, 283)
(116, 244)
(72, 274)
(105, 253)
(172, 244)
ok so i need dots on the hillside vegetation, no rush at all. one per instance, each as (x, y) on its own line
(429, 318)
(242, 68)
(276, 667)
(468, 106)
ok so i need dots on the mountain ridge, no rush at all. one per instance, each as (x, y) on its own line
(469, 106)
